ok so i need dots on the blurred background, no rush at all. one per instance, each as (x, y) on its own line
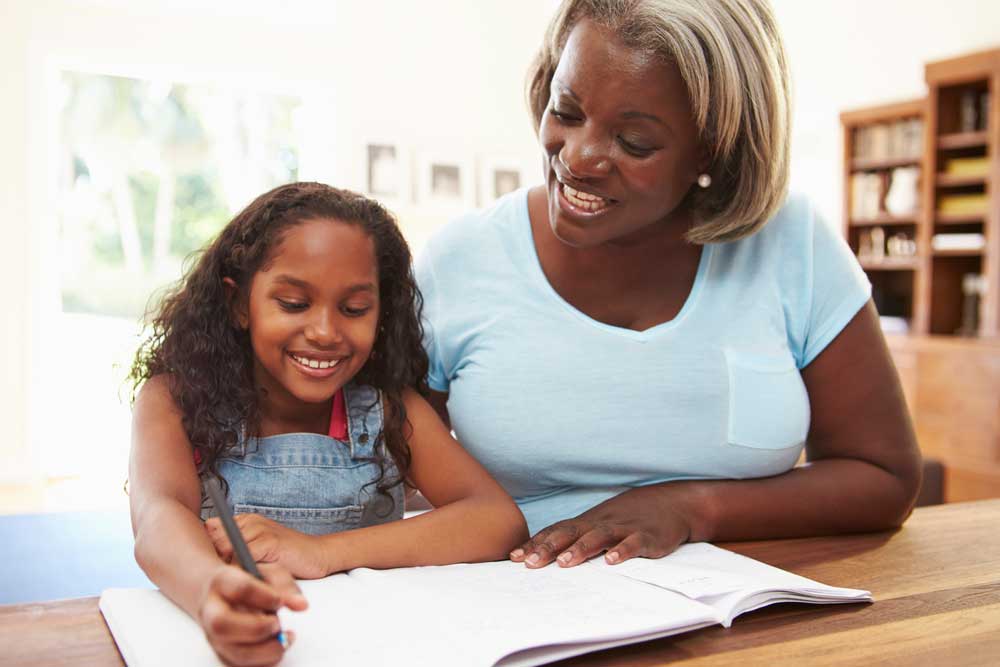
(132, 130)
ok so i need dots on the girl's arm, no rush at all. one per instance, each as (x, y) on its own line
(474, 518)
(863, 473)
(174, 550)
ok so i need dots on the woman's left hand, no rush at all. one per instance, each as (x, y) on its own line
(640, 522)
(270, 542)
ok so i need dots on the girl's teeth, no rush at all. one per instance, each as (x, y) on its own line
(313, 363)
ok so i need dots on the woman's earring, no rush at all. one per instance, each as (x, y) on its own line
(704, 180)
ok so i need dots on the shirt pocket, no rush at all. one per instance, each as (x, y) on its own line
(768, 403)
(309, 520)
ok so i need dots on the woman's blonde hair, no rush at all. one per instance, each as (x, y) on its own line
(730, 55)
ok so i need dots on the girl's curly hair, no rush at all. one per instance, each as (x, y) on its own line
(207, 359)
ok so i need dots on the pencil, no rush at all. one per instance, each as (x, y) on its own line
(236, 539)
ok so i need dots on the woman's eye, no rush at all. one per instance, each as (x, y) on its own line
(635, 149)
(562, 115)
(292, 306)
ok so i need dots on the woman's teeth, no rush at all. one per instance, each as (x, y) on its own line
(313, 363)
(584, 200)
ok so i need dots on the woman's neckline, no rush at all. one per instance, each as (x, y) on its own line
(524, 231)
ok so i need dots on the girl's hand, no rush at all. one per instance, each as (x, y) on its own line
(237, 613)
(639, 522)
(270, 542)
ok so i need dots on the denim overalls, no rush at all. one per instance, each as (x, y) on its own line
(314, 483)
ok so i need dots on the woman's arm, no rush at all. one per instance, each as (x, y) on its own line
(474, 518)
(173, 549)
(863, 473)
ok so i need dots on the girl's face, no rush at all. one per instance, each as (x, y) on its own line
(620, 142)
(313, 311)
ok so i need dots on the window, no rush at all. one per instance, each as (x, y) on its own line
(149, 171)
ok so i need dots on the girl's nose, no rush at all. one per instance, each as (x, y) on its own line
(323, 330)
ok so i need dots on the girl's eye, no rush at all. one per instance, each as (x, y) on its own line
(292, 306)
(356, 312)
(635, 149)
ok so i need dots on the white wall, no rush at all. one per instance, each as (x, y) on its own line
(447, 72)
(13, 239)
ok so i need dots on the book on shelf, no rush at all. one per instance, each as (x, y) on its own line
(958, 242)
(485, 614)
(867, 192)
(896, 140)
(962, 204)
(967, 166)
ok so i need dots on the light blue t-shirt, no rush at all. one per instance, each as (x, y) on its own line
(566, 411)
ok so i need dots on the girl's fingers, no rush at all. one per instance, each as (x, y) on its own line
(589, 545)
(220, 540)
(259, 654)
(282, 580)
(239, 588)
(224, 624)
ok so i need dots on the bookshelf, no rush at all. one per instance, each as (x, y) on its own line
(963, 129)
(948, 289)
(883, 214)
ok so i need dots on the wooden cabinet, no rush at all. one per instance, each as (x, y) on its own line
(952, 388)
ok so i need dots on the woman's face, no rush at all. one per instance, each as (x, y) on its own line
(620, 142)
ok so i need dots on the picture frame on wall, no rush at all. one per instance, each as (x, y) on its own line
(499, 176)
(445, 179)
(387, 172)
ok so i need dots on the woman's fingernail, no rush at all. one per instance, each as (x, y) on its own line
(613, 557)
(533, 559)
(517, 553)
(565, 557)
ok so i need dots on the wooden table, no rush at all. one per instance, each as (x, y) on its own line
(936, 584)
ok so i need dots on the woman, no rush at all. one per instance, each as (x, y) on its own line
(640, 349)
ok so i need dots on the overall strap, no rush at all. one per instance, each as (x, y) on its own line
(364, 419)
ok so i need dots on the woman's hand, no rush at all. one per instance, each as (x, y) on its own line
(269, 542)
(237, 613)
(640, 522)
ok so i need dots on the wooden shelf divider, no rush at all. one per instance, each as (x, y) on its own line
(890, 264)
(885, 219)
(959, 218)
(963, 140)
(956, 180)
(873, 164)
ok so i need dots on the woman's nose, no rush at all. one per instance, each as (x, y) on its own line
(584, 156)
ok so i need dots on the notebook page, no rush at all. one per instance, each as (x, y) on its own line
(730, 582)
(492, 610)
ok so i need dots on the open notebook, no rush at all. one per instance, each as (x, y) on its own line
(488, 614)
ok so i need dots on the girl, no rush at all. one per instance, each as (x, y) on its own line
(285, 364)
